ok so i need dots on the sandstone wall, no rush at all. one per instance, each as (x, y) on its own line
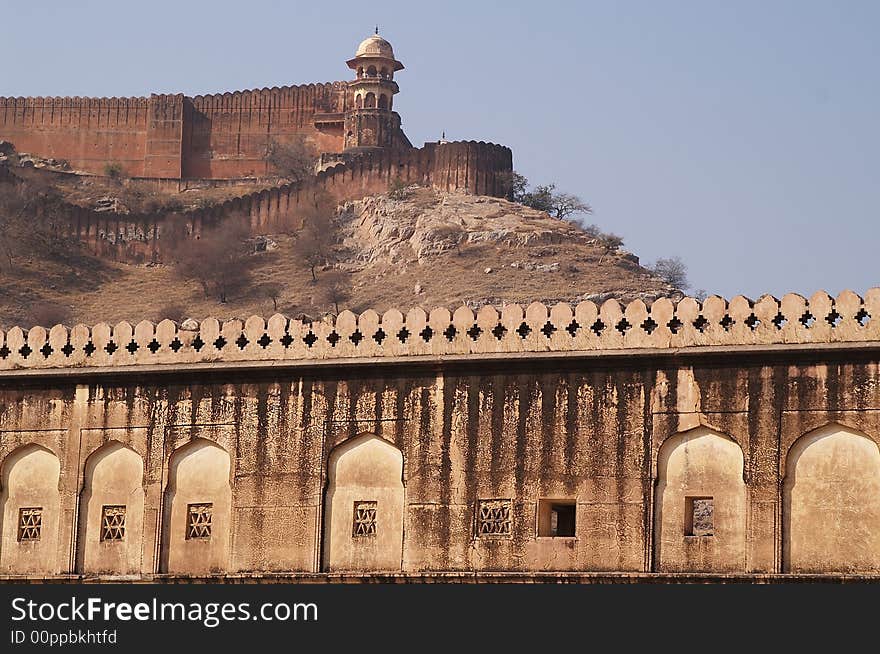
(470, 166)
(218, 136)
(515, 433)
(425, 461)
(227, 134)
(88, 132)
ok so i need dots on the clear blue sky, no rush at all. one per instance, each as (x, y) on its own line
(743, 136)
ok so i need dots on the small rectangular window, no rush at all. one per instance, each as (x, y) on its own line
(199, 519)
(364, 518)
(30, 523)
(113, 523)
(494, 518)
(699, 516)
(556, 518)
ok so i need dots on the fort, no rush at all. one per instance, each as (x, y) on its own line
(222, 136)
(713, 440)
(178, 142)
(688, 440)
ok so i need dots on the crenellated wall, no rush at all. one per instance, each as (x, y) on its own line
(470, 166)
(227, 135)
(88, 132)
(722, 440)
(222, 136)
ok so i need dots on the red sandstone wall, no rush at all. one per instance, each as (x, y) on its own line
(228, 133)
(88, 132)
(464, 166)
(165, 128)
(468, 166)
(171, 136)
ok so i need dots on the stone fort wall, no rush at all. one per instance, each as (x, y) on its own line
(723, 439)
(470, 166)
(219, 136)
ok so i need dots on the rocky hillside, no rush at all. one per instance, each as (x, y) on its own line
(427, 248)
(446, 249)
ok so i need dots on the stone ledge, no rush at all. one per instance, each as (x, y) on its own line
(430, 361)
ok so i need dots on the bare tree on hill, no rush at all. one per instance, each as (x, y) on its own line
(315, 240)
(219, 259)
(558, 205)
(293, 160)
(544, 197)
(336, 289)
(564, 205)
(673, 271)
(271, 291)
(33, 221)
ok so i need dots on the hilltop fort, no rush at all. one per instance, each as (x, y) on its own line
(225, 136)
(176, 142)
(564, 436)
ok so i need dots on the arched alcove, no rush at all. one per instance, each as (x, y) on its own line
(111, 518)
(359, 101)
(198, 510)
(831, 502)
(370, 101)
(699, 504)
(30, 511)
(383, 101)
(364, 506)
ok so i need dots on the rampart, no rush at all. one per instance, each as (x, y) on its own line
(715, 440)
(470, 166)
(222, 136)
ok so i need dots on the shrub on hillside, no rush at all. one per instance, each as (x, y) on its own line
(219, 259)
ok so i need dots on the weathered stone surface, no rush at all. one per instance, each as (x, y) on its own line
(562, 328)
(291, 457)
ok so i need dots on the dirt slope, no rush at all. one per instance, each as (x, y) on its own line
(428, 249)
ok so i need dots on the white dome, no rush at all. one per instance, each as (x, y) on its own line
(375, 46)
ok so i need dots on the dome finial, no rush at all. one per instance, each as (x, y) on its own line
(377, 29)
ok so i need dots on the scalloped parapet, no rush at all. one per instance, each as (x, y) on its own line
(793, 320)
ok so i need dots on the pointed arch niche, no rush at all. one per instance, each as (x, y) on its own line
(30, 508)
(364, 506)
(700, 504)
(111, 520)
(198, 510)
(831, 502)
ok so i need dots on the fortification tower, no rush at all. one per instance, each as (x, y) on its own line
(372, 123)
